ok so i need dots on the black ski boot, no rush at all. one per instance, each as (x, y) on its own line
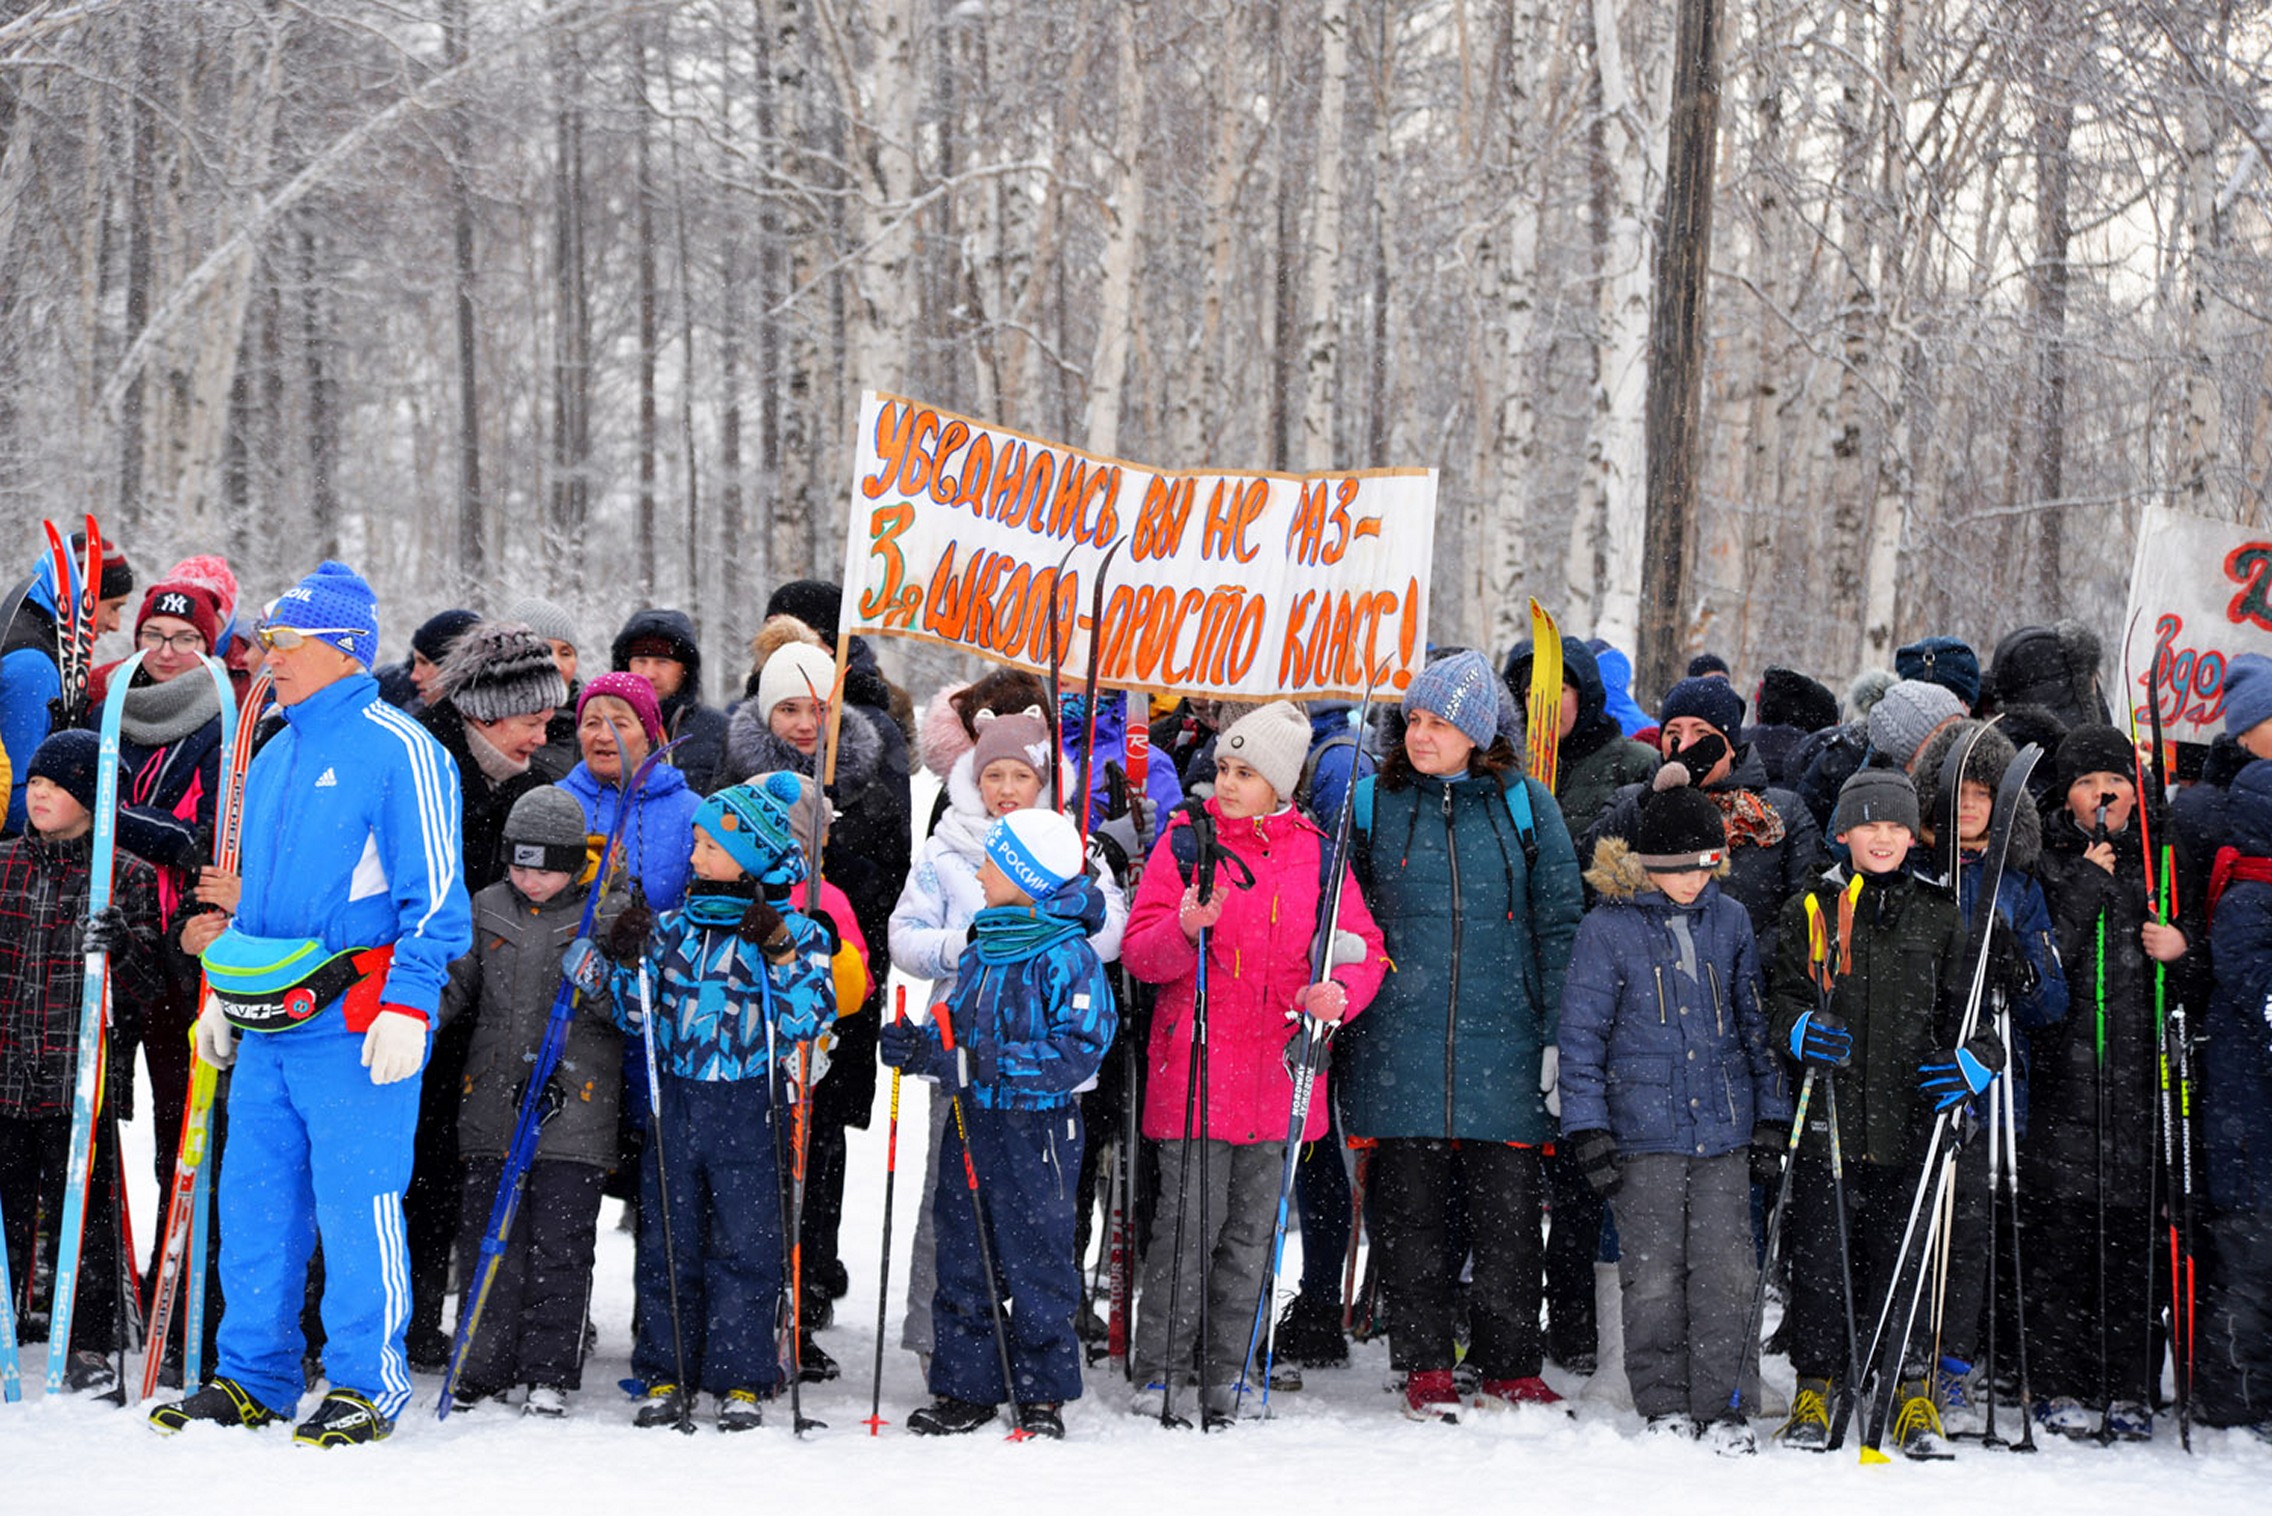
(814, 1365)
(223, 1402)
(740, 1411)
(666, 1405)
(1042, 1418)
(949, 1417)
(343, 1420)
(1309, 1334)
(1808, 1430)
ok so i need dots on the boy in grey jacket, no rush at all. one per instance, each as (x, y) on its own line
(532, 1327)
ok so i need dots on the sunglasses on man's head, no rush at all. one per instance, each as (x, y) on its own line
(286, 638)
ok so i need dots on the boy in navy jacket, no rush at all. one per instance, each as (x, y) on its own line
(1671, 1097)
(1033, 1015)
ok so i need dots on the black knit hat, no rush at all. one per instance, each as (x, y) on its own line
(67, 758)
(2091, 750)
(815, 602)
(1704, 665)
(1789, 698)
(546, 830)
(1680, 828)
(438, 633)
(499, 669)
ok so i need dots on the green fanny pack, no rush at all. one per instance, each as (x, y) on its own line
(273, 984)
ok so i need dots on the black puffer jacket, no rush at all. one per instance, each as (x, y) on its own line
(1759, 879)
(702, 727)
(867, 857)
(2110, 981)
(1902, 999)
(1597, 759)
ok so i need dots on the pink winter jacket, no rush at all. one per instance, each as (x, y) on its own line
(1258, 960)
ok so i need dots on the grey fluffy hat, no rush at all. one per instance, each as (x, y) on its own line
(500, 669)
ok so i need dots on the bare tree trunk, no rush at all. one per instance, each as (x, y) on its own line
(2054, 169)
(473, 533)
(643, 197)
(1125, 213)
(323, 411)
(1676, 380)
(1321, 337)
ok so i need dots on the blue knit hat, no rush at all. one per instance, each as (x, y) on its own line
(1038, 850)
(753, 827)
(1715, 702)
(335, 602)
(2248, 693)
(1462, 690)
(1948, 662)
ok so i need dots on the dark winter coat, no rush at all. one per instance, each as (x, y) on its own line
(699, 730)
(1760, 879)
(1597, 759)
(1665, 1059)
(169, 771)
(1902, 999)
(867, 856)
(43, 919)
(1479, 935)
(2199, 815)
(562, 751)
(2109, 977)
(2233, 1065)
(507, 985)
(483, 803)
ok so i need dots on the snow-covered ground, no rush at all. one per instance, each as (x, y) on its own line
(1336, 1445)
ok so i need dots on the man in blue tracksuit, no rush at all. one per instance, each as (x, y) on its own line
(333, 968)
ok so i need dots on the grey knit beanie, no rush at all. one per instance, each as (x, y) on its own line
(1909, 714)
(1876, 795)
(546, 830)
(544, 618)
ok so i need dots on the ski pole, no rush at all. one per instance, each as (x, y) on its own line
(2008, 1099)
(1845, 1406)
(662, 1194)
(11, 1360)
(876, 1421)
(783, 1213)
(1988, 1434)
(1170, 1370)
(946, 1025)
(1756, 1320)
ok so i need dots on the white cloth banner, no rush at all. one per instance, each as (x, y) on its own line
(2200, 593)
(1245, 585)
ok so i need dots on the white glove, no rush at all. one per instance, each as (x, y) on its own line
(1550, 1079)
(216, 1039)
(394, 1047)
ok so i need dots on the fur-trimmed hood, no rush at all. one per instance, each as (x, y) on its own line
(751, 748)
(940, 741)
(1616, 873)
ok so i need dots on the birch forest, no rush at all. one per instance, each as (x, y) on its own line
(578, 297)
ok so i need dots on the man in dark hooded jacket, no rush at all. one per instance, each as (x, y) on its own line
(659, 646)
(1596, 758)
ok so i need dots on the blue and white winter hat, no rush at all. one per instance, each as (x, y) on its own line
(336, 607)
(753, 828)
(1039, 851)
(1462, 690)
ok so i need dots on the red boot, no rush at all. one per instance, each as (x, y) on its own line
(1429, 1395)
(1508, 1394)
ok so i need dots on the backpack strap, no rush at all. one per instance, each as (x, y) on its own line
(1526, 829)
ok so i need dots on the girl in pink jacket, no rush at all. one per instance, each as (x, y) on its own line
(1258, 981)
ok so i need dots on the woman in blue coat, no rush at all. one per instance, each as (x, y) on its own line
(1470, 873)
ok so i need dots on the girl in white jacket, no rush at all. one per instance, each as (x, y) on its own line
(1006, 770)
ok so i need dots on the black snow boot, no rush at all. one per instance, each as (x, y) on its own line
(344, 1419)
(949, 1417)
(224, 1402)
(1309, 1333)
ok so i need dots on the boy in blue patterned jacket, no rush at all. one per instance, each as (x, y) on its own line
(1033, 1015)
(733, 978)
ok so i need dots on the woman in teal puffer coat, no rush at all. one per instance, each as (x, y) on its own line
(1470, 873)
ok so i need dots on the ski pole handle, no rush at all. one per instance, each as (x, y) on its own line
(946, 1025)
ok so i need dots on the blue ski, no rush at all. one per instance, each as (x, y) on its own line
(94, 1011)
(528, 1128)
